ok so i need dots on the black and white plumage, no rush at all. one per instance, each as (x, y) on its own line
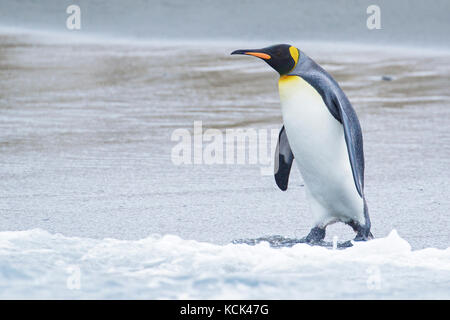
(323, 135)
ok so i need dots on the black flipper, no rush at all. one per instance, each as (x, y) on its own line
(353, 138)
(283, 160)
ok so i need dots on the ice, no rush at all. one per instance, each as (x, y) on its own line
(37, 264)
(87, 153)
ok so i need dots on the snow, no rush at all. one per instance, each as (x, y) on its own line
(36, 264)
(87, 153)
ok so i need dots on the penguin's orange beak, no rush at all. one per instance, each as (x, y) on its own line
(255, 53)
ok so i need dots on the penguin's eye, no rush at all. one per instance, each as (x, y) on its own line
(280, 53)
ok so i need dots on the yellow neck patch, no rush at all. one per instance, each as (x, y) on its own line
(287, 78)
(294, 54)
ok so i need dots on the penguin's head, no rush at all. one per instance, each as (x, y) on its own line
(282, 57)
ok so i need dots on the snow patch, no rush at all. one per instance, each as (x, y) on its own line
(37, 264)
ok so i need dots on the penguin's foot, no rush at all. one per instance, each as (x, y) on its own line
(363, 236)
(315, 236)
(362, 232)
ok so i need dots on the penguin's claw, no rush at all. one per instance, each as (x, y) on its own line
(313, 242)
(362, 237)
(362, 232)
(315, 236)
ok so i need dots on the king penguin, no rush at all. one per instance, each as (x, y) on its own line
(322, 133)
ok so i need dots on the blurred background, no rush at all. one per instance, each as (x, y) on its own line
(89, 192)
(403, 22)
(86, 115)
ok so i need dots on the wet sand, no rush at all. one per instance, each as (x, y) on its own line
(85, 140)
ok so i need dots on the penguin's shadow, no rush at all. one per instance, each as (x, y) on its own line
(277, 241)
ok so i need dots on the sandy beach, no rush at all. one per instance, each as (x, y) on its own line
(86, 149)
(93, 206)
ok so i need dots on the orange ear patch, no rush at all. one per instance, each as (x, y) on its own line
(259, 55)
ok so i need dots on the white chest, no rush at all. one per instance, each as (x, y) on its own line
(314, 134)
(317, 141)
